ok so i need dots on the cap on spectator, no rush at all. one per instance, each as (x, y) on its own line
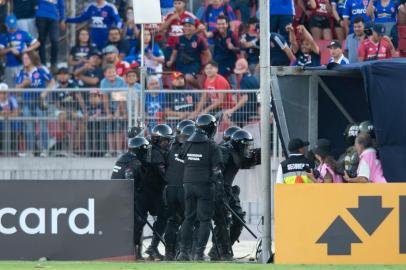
(177, 75)
(296, 143)
(252, 20)
(334, 44)
(63, 70)
(184, 1)
(322, 147)
(110, 49)
(379, 29)
(188, 20)
(3, 86)
(11, 21)
(95, 52)
(127, 68)
(134, 65)
(241, 66)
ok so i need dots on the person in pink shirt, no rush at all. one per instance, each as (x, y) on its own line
(328, 165)
(369, 168)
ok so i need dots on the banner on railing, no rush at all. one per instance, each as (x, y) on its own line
(340, 224)
(66, 220)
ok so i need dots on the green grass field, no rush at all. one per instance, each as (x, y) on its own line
(182, 266)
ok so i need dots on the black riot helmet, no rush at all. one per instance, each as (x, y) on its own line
(185, 133)
(161, 134)
(207, 123)
(242, 141)
(367, 127)
(229, 132)
(183, 124)
(350, 133)
(141, 148)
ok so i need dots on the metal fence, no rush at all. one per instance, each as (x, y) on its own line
(93, 122)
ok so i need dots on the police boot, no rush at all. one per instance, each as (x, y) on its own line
(138, 253)
(227, 256)
(183, 257)
(170, 252)
(226, 250)
(153, 251)
(199, 255)
(214, 253)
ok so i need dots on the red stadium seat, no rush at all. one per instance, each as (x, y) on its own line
(324, 52)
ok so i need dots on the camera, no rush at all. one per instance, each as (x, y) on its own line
(307, 169)
(351, 173)
(315, 172)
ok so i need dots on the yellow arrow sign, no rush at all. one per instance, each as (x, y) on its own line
(340, 223)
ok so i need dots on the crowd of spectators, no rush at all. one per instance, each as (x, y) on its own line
(215, 48)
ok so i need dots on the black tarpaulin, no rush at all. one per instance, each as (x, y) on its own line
(385, 87)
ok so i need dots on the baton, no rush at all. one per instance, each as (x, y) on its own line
(150, 226)
(240, 220)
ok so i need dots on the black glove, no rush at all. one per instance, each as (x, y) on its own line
(220, 192)
(217, 178)
(129, 174)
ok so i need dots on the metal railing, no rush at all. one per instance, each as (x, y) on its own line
(93, 122)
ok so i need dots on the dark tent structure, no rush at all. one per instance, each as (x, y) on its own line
(320, 103)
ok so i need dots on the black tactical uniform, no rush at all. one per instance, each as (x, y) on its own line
(127, 162)
(237, 155)
(202, 176)
(174, 195)
(150, 195)
(132, 166)
(349, 159)
(125, 166)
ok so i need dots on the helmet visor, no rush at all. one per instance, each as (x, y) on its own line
(248, 149)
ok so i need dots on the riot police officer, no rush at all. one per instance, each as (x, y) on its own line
(139, 153)
(125, 164)
(150, 197)
(349, 159)
(237, 154)
(367, 127)
(174, 196)
(202, 176)
(227, 134)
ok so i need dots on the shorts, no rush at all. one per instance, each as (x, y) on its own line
(280, 62)
(192, 69)
(319, 22)
(337, 24)
(226, 68)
